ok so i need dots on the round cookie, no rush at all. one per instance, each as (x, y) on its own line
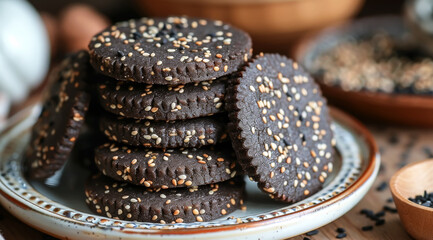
(280, 127)
(166, 168)
(61, 119)
(124, 201)
(160, 102)
(189, 133)
(169, 51)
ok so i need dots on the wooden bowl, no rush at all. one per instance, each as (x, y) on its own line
(408, 182)
(398, 109)
(402, 109)
(273, 24)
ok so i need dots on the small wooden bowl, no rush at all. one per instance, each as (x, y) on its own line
(398, 109)
(408, 182)
(273, 24)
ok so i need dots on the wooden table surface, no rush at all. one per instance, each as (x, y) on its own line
(398, 147)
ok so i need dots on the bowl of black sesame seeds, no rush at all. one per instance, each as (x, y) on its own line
(412, 191)
(374, 69)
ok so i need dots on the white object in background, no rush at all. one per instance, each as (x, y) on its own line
(24, 48)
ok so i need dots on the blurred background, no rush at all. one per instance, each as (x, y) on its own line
(59, 27)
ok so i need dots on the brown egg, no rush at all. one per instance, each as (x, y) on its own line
(78, 23)
(51, 25)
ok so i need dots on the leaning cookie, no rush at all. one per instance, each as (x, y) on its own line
(160, 102)
(280, 127)
(123, 201)
(169, 51)
(189, 133)
(168, 168)
(61, 119)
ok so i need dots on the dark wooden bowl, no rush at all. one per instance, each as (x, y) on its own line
(396, 109)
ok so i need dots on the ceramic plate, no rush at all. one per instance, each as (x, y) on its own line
(57, 206)
(401, 108)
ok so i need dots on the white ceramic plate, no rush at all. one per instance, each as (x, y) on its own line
(57, 206)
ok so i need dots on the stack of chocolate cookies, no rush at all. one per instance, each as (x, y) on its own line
(162, 85)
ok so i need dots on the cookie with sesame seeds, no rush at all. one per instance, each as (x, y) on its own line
(167, 168)
(169, 51)
(281, 128)
(162, 102)
(61, 119)
(196, 132)
(124, 201)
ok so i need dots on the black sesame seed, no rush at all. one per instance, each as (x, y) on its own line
(312, 233)
(380, 222)
(172, 33)
(120, 54)
(380, 214)
(341, 235)
(212, 35)
(367, 228)
(427, 203)
(136, 35)
(382, 186)
(288, 94)
(181, 48)
(341, 230)
(179, 26)
(286, 142)
(366, 212)
(159, 34)
(163, 41)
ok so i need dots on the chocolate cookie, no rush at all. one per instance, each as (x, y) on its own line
(167, 168)
(169, 51)
(61, 119)
(280, 127)
(195, 132)
(124, 201)
(159, 102)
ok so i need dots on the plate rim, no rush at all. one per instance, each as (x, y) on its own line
(346, 120)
